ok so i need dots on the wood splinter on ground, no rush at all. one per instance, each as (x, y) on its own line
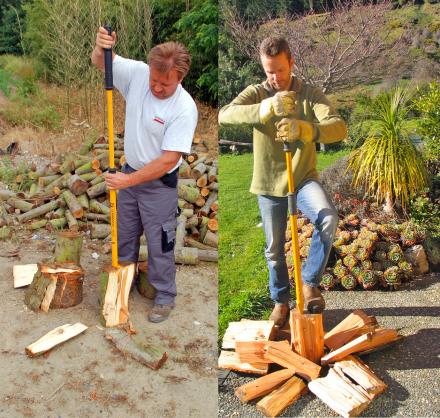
(150, 356)
(23, 274)
(54, 337)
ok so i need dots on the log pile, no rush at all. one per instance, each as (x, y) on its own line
(369, 254)
(72, 194)
(339, 378)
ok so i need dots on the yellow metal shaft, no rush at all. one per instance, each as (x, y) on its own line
(111, 157)
(295, 242)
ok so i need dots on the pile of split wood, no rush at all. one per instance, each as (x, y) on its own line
(71, 193)
(337, 377)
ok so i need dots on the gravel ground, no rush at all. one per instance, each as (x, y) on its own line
(410, 368)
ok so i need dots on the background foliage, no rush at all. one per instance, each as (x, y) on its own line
(60, 36)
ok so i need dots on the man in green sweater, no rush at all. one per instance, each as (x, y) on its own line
(285, 108)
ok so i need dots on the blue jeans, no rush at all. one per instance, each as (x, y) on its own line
(315, 204)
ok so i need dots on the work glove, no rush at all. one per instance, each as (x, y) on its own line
(291, 130)
(282, 104)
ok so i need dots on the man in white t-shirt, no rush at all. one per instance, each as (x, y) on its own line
(159, 127)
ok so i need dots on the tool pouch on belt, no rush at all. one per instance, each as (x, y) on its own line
(169, 235)
(170, 179)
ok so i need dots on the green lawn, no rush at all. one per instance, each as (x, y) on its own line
(243, 282)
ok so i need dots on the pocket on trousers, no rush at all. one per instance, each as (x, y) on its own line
(169, 235)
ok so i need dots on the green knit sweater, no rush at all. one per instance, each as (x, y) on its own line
(269, 175)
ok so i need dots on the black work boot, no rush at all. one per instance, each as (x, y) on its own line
(279, 314)
(160, 313)
(313, 299)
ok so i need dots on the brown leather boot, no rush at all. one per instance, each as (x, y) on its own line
(313, 300)
(279, 314)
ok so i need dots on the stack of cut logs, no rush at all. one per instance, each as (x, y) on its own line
(72, 194)
(347, 387)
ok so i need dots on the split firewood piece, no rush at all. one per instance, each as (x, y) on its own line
(365, 342)
(150, 356)
(98, 207)
(39, 211)
(44, 181)
(254, 351)
(211, 239)
(276, 402)
(184, 170)
(73, 204)
(68, 247)
(191, 242)
(55, 337)
(248, 330)
(77, 185)
(55, 286)
(99, 231)
(88, 167)
(187, 182)
(202, 181)
(229, 360)
(24, 274)
(362, 375)
(307, 334)
(20, 204)
(6, 194)
(285, 357)
(71, 221)
(186, 255)
(97, 190)
(204, 211)
(116, 284)
(198, 161)
(340, 394)
(208, 255)
(98, 217)
(213, 225)
(5, 232)
(180, 231)
(212, 174)
(354, 325)
(263, 385)
(83, 201)
(188, 193)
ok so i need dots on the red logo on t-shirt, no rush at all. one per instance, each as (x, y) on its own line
(159, 120)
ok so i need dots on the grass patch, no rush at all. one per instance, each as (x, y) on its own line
(243, 277)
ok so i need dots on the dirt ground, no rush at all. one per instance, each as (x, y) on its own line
(86, 376)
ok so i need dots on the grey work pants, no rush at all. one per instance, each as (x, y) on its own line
(150, 208)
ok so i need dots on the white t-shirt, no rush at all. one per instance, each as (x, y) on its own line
(152, 125)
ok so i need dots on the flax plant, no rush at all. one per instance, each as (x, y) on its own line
(387, 165)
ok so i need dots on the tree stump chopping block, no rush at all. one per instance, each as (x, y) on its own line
(55, 286)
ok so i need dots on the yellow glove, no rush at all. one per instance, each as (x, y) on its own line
(291, 130)
(282, 104)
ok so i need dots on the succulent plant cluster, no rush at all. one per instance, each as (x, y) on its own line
(369, 254)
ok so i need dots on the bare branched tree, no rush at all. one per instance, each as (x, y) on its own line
(338, 49)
